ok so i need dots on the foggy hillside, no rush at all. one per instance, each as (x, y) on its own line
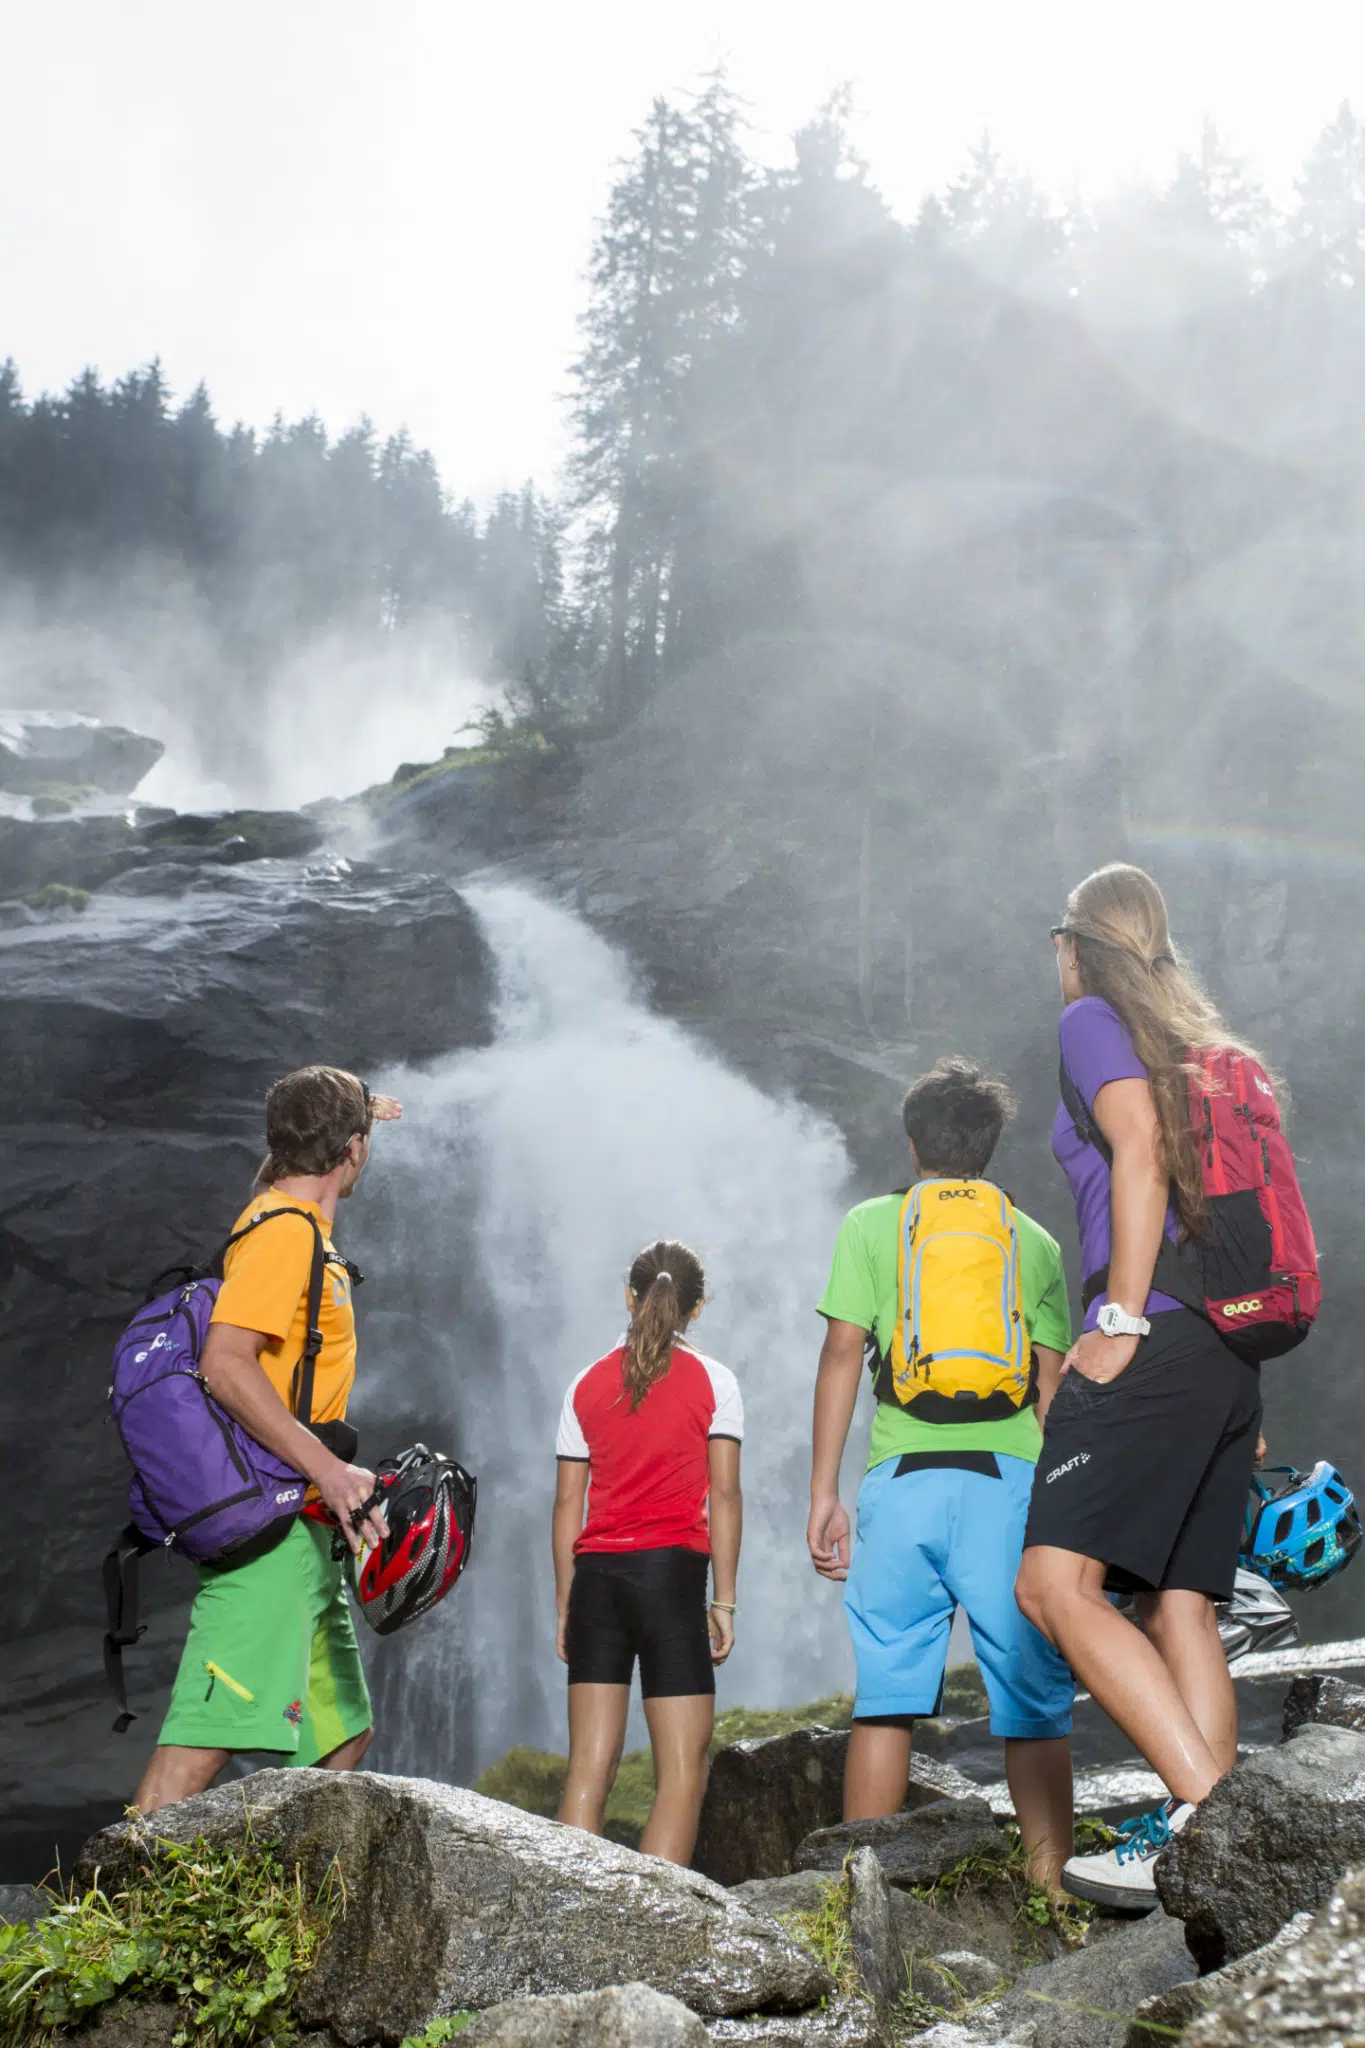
(281, 608)
(1091, 478)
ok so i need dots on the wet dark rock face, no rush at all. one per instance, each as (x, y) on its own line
(764, 1798)
(913, 1848)
(1308, 1989)
(137, 1040)
(156, 852)
(1273, 1837)
(1321, 1698)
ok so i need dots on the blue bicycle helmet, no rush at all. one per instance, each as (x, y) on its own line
(1303, 1531)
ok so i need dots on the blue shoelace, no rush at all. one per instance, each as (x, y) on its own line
(1145, 1835)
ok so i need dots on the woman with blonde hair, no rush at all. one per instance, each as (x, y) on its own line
(1152, 1436)
(649, 1438)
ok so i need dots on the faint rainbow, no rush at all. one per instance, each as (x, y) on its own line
(1278, 850)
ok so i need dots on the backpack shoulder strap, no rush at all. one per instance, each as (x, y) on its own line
(312, 1344)
(1086, 1127)
(120, 1572)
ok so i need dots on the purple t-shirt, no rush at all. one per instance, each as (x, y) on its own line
(1096, 1048)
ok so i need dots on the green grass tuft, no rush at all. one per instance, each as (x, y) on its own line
(964, 1694)
(825, 1931)
(225, 1935)
(59, 799)
(435, 2032)
(1034, 1905)
(756, 1724)
(58, 896)
(532, 1779)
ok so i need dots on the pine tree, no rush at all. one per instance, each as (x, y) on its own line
(1001, 220)
(200, 484)
(1330, 221)
(1214, 194)
(511, 596)
(665, 277)
(13, 440)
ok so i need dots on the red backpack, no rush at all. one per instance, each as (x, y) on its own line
(1256, 1274)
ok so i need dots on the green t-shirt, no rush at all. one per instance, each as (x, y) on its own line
(862, 1290)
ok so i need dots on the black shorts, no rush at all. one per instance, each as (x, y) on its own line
(1150, 1473)
(649, 1604)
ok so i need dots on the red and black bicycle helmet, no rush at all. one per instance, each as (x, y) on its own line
(429, 1504)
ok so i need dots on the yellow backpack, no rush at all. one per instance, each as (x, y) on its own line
(960, 1350)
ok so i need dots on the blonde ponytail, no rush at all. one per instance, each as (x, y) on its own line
(1117, 920)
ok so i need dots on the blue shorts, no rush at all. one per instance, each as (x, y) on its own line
(930, 1541)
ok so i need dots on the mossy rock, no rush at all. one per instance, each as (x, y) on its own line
(59, 896)
(59, 799)
(756, 1724)
(455, 761)
(238, 835)
(533, 1779)
(964, 1694)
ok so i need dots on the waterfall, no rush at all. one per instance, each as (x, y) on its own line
(500, 1222)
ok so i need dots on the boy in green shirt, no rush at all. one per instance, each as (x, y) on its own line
(942, 1507)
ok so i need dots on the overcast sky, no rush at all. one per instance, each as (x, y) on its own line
(385, 206)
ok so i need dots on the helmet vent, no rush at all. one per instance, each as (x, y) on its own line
(1283, 1526)
(1314, 1513)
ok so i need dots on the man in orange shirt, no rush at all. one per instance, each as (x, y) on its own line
(271, 1661)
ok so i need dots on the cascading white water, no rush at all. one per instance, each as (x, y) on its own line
(505, 1213)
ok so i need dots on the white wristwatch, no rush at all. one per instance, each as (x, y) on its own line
(1116, 1322)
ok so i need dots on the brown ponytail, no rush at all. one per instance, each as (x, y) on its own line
(666, 1285)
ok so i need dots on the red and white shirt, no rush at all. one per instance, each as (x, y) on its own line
(649, 1467)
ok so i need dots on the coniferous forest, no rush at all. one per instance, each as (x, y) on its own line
(1005, 433)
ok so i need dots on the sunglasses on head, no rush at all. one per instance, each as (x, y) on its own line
(1061, 931)
(364, 1129)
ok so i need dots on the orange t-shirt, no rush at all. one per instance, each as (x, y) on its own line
(265, 1287)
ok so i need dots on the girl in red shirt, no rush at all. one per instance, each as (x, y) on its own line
(649, 1441)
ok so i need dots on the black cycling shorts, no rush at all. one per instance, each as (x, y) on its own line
(1150, 1472)
(649, 1604)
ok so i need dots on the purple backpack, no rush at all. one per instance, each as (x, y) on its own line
(200, 1484)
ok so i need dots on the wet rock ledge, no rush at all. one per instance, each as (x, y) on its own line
(157, 972)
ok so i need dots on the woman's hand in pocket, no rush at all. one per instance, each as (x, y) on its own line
(562, 1635)
(1099, 1358)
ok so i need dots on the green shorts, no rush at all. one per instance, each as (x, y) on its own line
(271, 1660)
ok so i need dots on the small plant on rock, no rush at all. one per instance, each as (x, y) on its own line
(59, 896)
(436, 2032)
(1034, 1906)
(913, 2008)
(223, 1934)
(825, 1931)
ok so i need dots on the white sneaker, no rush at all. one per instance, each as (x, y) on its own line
(1121, 1876)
